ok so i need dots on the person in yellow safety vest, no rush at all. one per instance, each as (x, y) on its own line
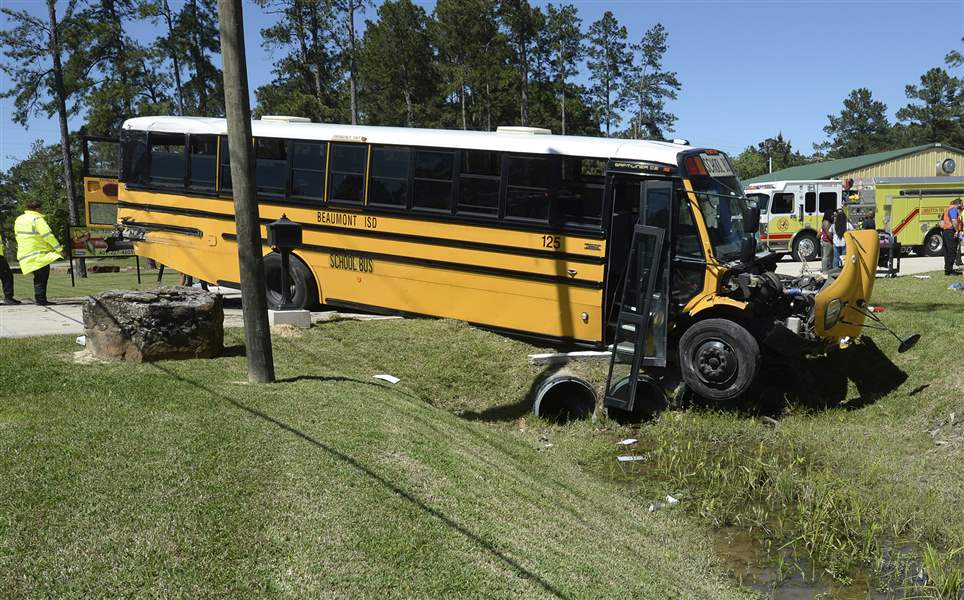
(6, 276)
(37, 247)
(951, 232)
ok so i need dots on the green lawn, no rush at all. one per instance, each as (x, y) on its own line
(179, 479)
(59, 284)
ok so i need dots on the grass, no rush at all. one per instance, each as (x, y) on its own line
(176, 479)
(59, 287)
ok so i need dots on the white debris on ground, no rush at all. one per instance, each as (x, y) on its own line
(386, 377)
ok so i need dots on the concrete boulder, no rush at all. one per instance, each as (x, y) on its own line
(161, 324)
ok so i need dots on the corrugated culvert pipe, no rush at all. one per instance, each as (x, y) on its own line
(564, 397)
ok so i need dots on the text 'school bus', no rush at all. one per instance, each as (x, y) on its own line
(791, 213)
(578, 240)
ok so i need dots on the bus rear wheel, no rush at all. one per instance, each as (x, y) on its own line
(301, 283)
(934, 244)
(806, 248)
(719, 359)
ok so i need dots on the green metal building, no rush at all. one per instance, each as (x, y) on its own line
(918, 161)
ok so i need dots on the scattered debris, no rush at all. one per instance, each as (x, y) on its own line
(922, 276)
(957, 285)
(655, 506)
(386, 377)
(556, 358)
(629, 458)
(769, 421)
(627, 442)
(671, 500)
(81, 340)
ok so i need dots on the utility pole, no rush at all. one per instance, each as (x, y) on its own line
(237, 110)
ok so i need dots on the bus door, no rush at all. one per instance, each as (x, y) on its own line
(639, 310)
(101, 158)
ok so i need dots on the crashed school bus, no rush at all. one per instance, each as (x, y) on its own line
(580, 241)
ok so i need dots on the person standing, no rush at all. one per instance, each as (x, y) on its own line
(951, 234)
(826, 242)
(37, 248)
(840, 226)
(6, 276)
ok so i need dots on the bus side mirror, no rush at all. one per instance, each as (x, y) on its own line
(748, 249)
(752, 219)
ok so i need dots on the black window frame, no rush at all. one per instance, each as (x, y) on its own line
(185, 162)
(135, 156)
(580, 181)
(553, 174)
(290, 195)
(282, 191)
(836, 201)
(810, 203)
(224, 166)
(407, 180)
(330, 199)
(791, 207)
(500, 180)
(189, 166)
(453, 180)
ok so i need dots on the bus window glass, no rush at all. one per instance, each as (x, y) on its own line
(810, 202)
(347, 172)
(225, 179)
(389, 177)
(433, 180)
(167, 159)
(528, 192)
(271, 165)
(134, 157)
(828, 201)
(687, 236)
(308, 170)
(782, 203)
(102, 158)
(203, 156)
(580, 194)
(479, 182)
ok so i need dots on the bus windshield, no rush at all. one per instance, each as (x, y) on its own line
(762, 201)
(723, 206)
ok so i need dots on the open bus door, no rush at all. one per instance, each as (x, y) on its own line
(101, 157)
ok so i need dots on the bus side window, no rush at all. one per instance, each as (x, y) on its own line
(388, 183)
(167, 159)
(308, 170)
(203, 159)
(225, 178)
(271, 165)
(828, 201)
(810, 202)
(433, 180)
(479, 182)
(688, 274)
(527, 195)
(347, 176)
(782, 203)
(134, 157)
(580, 195)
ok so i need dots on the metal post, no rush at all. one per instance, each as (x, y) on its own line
(254, 304)
(137, 260)
(285, 287)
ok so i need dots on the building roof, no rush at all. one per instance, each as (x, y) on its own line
(831, 168)
(508, 140)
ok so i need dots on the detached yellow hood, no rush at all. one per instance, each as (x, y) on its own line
(852, 288)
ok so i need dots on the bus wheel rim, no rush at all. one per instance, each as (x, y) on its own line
(716, 362)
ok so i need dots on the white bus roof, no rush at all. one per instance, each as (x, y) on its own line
(505, 141)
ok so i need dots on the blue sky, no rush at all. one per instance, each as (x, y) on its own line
(749, 68)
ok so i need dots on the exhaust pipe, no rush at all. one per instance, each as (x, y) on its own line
(564, 397)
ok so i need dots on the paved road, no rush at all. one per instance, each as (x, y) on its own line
(65, 317)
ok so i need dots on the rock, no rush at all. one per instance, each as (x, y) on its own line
(166, 323)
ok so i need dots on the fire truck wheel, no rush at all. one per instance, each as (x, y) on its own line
(806, 248)
(304, 290)
(934, 244)
(719, 359)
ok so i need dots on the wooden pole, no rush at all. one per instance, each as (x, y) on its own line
(237, 109)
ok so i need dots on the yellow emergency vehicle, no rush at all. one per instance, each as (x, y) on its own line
(911, 208)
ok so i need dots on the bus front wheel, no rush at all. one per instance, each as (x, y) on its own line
(301, 283)
(934, 244)
(719, 359)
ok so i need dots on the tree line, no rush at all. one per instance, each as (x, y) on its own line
(934, 113)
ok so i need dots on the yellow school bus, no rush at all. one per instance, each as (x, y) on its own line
(645, 245)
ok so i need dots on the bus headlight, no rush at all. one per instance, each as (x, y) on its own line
(832, 314)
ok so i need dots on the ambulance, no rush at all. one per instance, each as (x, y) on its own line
(791, 213)
(911, 209)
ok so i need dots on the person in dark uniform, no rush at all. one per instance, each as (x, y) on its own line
(951, 234)
(6, 276)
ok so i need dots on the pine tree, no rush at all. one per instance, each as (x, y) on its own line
(168, 45)
(563, 46)
(346, 37)
(608, 61)
(397, 68)
(197, 27)
(648, 86)
(936, 109)
(523, 24)
(860, 128)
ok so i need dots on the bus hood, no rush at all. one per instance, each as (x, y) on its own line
(839, 307)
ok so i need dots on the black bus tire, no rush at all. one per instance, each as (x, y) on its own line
(305, 290)
(719, 359)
